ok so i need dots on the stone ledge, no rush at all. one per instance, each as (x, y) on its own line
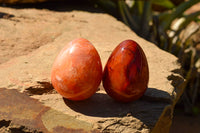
(30, 73)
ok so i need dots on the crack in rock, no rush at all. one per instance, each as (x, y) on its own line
(4, 123)
(125, 124)
(6, 126)
(40, 89)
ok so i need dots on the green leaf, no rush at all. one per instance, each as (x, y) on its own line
(164, 3)
(164, 16)
(127, 12)
(122, 13)
(178, 12)
(146, 17)
(188, 19)
(108, 5)
(196, 110)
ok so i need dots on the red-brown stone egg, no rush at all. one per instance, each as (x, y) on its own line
(77, 70)
(126, 74)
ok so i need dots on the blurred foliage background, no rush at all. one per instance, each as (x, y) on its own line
(167, 24)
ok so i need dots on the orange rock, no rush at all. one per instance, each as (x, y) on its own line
(126, 73)
(77, 70)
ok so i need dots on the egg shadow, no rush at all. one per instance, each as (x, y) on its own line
(102, 105)
(99, 105)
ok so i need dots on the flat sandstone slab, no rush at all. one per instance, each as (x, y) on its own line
(44, 33)
(20, 113)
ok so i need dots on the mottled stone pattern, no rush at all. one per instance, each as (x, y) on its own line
(29, 42)
(20, 113)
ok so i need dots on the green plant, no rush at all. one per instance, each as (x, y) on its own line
(171, 30)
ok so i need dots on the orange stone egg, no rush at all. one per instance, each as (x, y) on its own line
(77, 70)
(126, 73)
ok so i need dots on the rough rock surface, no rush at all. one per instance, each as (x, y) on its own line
(24, 114)
(30, 40)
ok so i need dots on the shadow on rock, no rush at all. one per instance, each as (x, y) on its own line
(60, 6)
(5, 15)
(40, 89)
(101, 105)
(156, 95)
(178, 82)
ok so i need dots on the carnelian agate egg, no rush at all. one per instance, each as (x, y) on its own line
(77, 70)
(126, 73)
